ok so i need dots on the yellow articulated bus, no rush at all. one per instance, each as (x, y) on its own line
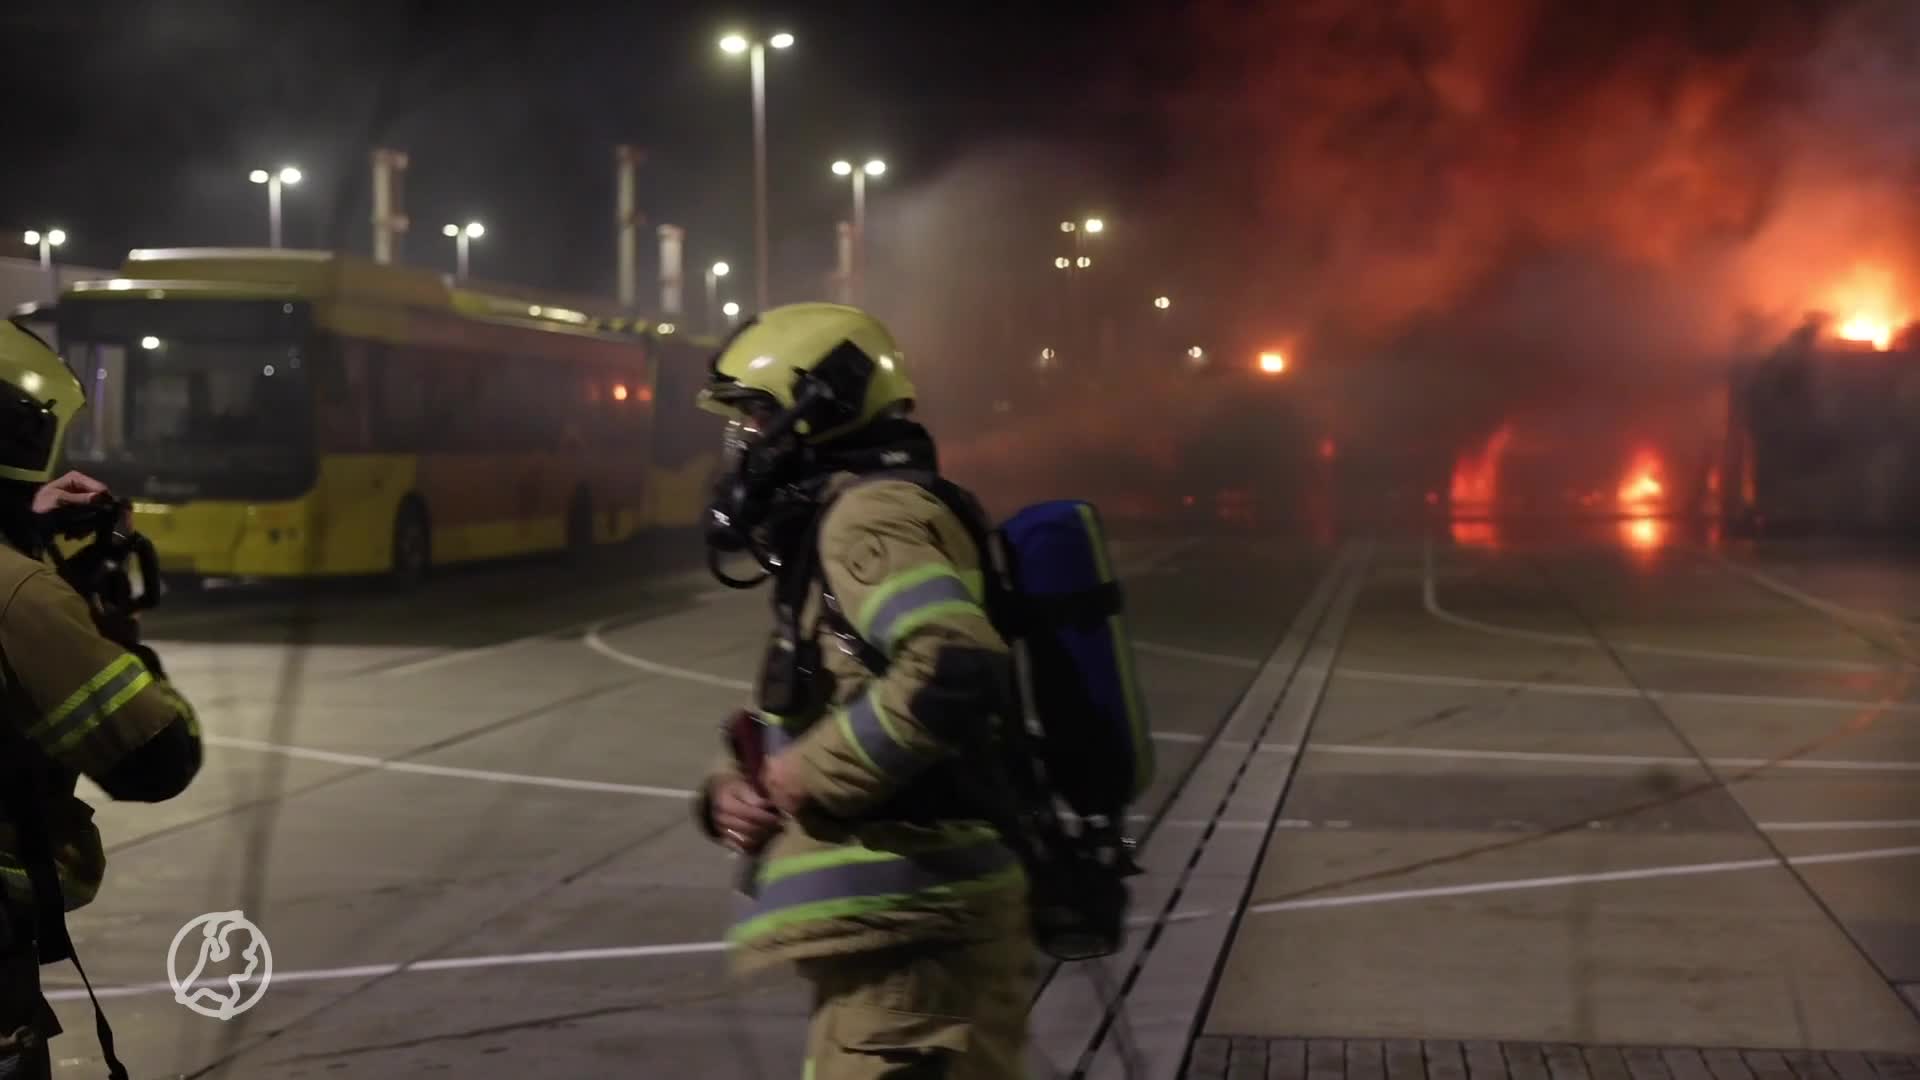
(287, 414)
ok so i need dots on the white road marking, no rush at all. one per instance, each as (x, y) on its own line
(1837, 826)
(1178, 653)
(487, 775)
(460, 656)
(1787, 701)
(465, 963)
(453, 963)
(1840, 611)
(1568, 758)
(1624, 692)
(1564, 880)
(1431, 599)
(594, 641)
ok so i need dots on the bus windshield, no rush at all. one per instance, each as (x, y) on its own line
(206, 398)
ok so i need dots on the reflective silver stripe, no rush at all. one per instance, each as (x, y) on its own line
(867, 726)
(892, 877)
(895, 615)
(774, 739)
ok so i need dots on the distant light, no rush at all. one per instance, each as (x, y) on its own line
(258, 176)
(56, 237)
(1067, 226)
(33, 236)
(449, 229)
(535, 310)
(1083, 262)
(1062, 262)
(721, 269)
(1047, 354)
(733, 43)
(267, 371)
(1163, 302)
(843, 168)
(475, 230)
(619, 391)
(665, 328)
(119, 284)
(289, 175)
(1095, 225)
(730, 309)
(1273, 363)
(875, 167)
(781, 41)
(1196, 352)
(149, 343)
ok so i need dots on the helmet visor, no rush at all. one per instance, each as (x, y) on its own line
(27, 431)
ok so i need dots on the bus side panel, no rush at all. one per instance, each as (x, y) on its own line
(686, 439)
(355, 505)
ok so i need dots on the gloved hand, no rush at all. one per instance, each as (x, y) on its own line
(742, 815)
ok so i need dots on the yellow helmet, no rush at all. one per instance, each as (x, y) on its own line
(843, 349)
(38, 399)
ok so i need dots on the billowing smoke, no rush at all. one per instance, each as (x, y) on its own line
(1460, 214)
(1482, 208)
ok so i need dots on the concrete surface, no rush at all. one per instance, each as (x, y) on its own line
(1564, 792)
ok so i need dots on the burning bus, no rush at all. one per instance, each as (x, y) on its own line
(1823, 432)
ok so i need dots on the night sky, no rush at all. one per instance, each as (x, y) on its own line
(136, 124)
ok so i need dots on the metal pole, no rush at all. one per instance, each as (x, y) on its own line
(713, 301)
(46, 267)
(460, 244)
(628, 220)
(759, 59)
(273, 209)
(859, 235)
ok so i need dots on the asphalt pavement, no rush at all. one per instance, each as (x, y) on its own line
(1578, 789)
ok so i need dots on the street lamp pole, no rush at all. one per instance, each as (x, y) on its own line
(287, 176)
(714, 274)
(874, 167)
(461, 238)
(46, 242)
(757, 62)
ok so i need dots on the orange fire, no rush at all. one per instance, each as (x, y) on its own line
(1642, 493)
(1870, 307)
(1476, 477)
(1476, 485)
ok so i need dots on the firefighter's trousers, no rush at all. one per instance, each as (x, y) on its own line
(922, 1013)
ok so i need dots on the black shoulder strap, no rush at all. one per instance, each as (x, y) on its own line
(22, 798)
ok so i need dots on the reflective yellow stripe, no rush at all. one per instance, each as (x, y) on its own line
(96, 700)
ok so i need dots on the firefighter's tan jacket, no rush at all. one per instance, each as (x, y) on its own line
(849, 875)
(82, 702)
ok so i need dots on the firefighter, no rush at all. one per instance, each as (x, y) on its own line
(79, 695)
(878, 872)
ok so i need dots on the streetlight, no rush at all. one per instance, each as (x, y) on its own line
(731, 310)
(1273, 363)
(874, 167)
(734, 45)
(461, 237)
(1163, 302)
(714, 274)
(287, 176)
(46, 242)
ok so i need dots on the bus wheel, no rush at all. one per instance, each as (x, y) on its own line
(580, 525)
(412, 543)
